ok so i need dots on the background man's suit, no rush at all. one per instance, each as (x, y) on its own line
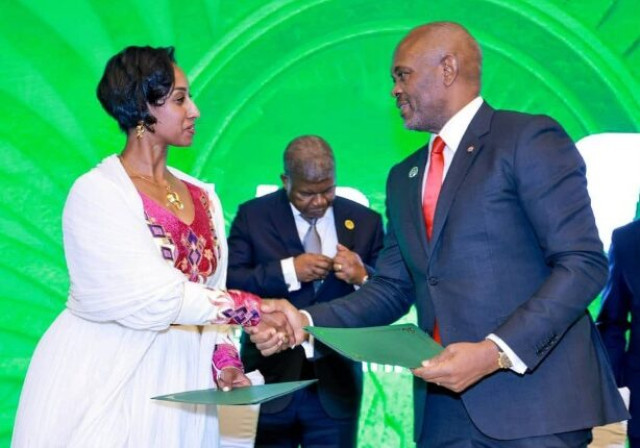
(514, 252)
(262, 234)
(621, 297)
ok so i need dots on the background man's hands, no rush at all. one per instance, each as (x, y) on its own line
(348, 266)
(310, 267)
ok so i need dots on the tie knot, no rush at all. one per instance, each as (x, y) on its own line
(438, 145)
(311, 221)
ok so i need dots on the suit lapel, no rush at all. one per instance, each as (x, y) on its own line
(469, 148)
(346, 226)
(415, 195)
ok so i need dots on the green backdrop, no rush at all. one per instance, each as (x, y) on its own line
(263, 72)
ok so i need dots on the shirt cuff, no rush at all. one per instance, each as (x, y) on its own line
(289, 274)
(225, 355)
(308, 346)
(516, 363)
(364, 280)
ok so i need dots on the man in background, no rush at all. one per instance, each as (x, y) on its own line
(620, 313)
(304, 243)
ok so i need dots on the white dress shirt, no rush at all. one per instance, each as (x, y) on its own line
(326, 228)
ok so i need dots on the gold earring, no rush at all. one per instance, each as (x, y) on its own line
(140, 129)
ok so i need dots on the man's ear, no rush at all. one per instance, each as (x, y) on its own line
(449, 69)
(285, 181)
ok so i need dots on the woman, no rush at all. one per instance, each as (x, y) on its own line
(147, 260)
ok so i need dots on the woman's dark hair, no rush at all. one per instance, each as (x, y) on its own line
(133, 78)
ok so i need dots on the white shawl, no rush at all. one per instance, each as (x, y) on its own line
(118, 275)
(115, 266)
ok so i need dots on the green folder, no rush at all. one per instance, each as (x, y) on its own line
(403, 345)
(239, 396)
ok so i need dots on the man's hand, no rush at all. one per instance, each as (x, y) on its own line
(266, 338)
(271, 337)
(231, 378)
(272, 334)
(460, 365)
(348, 266)
(280, 323)
(310, 267)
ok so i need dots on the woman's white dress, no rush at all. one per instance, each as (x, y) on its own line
(117, 344)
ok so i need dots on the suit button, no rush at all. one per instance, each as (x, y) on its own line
(433, 281)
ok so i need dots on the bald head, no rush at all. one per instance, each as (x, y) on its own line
(436, 70)
(309, 175)
(438, 40)
(309, 157)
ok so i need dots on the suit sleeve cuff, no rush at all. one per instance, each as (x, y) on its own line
(516, 363)
(289, 274)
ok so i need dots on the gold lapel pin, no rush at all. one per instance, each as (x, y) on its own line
(349, 224)
(413, 171)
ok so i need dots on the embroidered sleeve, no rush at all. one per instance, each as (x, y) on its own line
(237, 308)
(224, 356)
(202, 306)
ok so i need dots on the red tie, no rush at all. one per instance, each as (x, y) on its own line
(433, 184)
(430, 194)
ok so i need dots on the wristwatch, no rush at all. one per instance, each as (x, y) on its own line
(503, 360)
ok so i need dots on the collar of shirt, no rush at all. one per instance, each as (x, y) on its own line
(325, 225)
(452, 133)
(454, 129)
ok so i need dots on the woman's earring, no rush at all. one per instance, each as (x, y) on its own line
(140, 130)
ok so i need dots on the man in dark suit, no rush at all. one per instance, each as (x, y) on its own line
(267, 257)
(621, 313)
(502, 259)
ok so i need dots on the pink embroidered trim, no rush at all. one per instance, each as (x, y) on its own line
(246, 311)
(225, 355)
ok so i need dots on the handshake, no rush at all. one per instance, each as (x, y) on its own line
(281, 327)
(281, 324)
(457, 367)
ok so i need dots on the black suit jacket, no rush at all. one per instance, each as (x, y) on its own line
(621, 300)
(262, 234)
(514, 252)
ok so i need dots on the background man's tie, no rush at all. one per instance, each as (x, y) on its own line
(312, 244)
(430, 195)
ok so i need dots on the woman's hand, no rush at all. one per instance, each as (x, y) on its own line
(231, 378)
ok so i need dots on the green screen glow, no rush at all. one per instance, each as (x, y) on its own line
(263, 72)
